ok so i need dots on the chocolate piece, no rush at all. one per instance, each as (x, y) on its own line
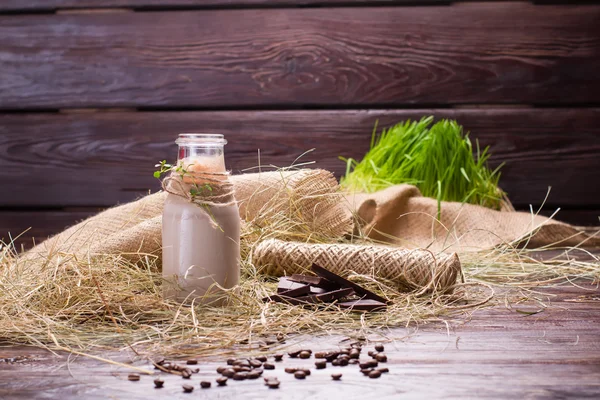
(192, 361)
(278, 357)
(317, 281)
(381, 357)
(336, 377)
(379, 347)
(321, 364)
(374, 374)
(133, 377)
(304, 354)
(283, 297)
(286, 284)
(346, 283)
(187, 388)
(268, 366)
(221, 381)
(205, 384)
(158, 383)
(299, 375)
(363, 305)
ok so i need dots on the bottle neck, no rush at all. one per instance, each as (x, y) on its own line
(201, 158)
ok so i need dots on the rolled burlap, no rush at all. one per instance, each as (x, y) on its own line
(408, 269)
(308, 198)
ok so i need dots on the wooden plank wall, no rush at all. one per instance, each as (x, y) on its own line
(91, 98)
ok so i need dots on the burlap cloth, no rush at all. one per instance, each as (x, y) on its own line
(402, 216)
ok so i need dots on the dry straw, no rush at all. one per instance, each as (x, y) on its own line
(90, 303)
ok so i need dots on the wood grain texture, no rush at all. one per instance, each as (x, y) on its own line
(99, 159)
(467, 53)
(31, 5)
(500, 353)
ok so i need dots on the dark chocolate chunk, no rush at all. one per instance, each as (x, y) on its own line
(346, 283)
(286, 284)
(187, 388)
(336, 377)
(317, 281)
(221, 381)
(158, 383)
(286, 296)
(363, 305)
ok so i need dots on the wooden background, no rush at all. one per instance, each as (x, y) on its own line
(94, 92)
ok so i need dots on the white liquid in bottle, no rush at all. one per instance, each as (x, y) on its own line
(200, 246)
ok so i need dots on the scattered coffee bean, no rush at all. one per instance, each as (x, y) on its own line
(273, 384)
(186, 374)
(254, 363)
(237, 368)
(158, 383)
(371, 353)
(294, 354)
(133, 377)
(374, 374)
(228, 373)
(299, 375)
(306, 371)
(368, 364)
(221, 381)
(187, 388)
(242, 363)
(259, 371)
(353, 361)
(383, 370)
(343, 361)
(345, 352)
(366, 371)
(205, 384)
(320, 354)
(321, 364)
(230, 361)
(268, 366)
(253, 375)
(221, 369)
(335, 362)
(379, 347)
(304, 354)
(195, 370)
(262, 358)
(278, 357)
(336, 377)
(332, 355)
(381, 357)
(354, 353)
(291, 370)
(192, 361)
(240, 376)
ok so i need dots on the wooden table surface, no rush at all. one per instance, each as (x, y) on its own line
(499, 353)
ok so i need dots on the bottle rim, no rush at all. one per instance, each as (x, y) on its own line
(206, 139)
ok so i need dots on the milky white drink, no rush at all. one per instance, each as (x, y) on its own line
(200, 243)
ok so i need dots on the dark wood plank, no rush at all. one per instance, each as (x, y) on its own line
(552, 354)
(513, 53)
(100, 159)
(37, 5)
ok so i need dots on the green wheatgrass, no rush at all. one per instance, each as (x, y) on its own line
(438, 159)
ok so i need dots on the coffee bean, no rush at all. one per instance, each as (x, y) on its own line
(242, 363)
(371, 353)
(229, 372)
(294, 354)
(158, 383)
(273, 384)
(259, 371)
(332, 355)
(262, 358)
(230, 361)
(321, 364)
(374, 374)
(240, 376)
(133, 377)
(320, 354)
(237, 368)
(305, 370)
(304, 354)
(195, 370)
(379, 347)
(343, 361)
(345, 351)
(366, 371)
(221, 369)
(192, 362)
(253, 375)
(381, 357)
(368, 364)
(186, 374)
(354, 353)
(268, 366)
(299, 374)
(254, 363)
(278, 357)
(335, 362)
(336, 377)
(205, 384)
(353, 361)
(291, 370)
(221, 381)
(383, 370)
(187, 388)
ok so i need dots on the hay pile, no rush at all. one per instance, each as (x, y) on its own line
(91, 303)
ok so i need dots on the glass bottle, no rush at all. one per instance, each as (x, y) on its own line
(201, 243)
